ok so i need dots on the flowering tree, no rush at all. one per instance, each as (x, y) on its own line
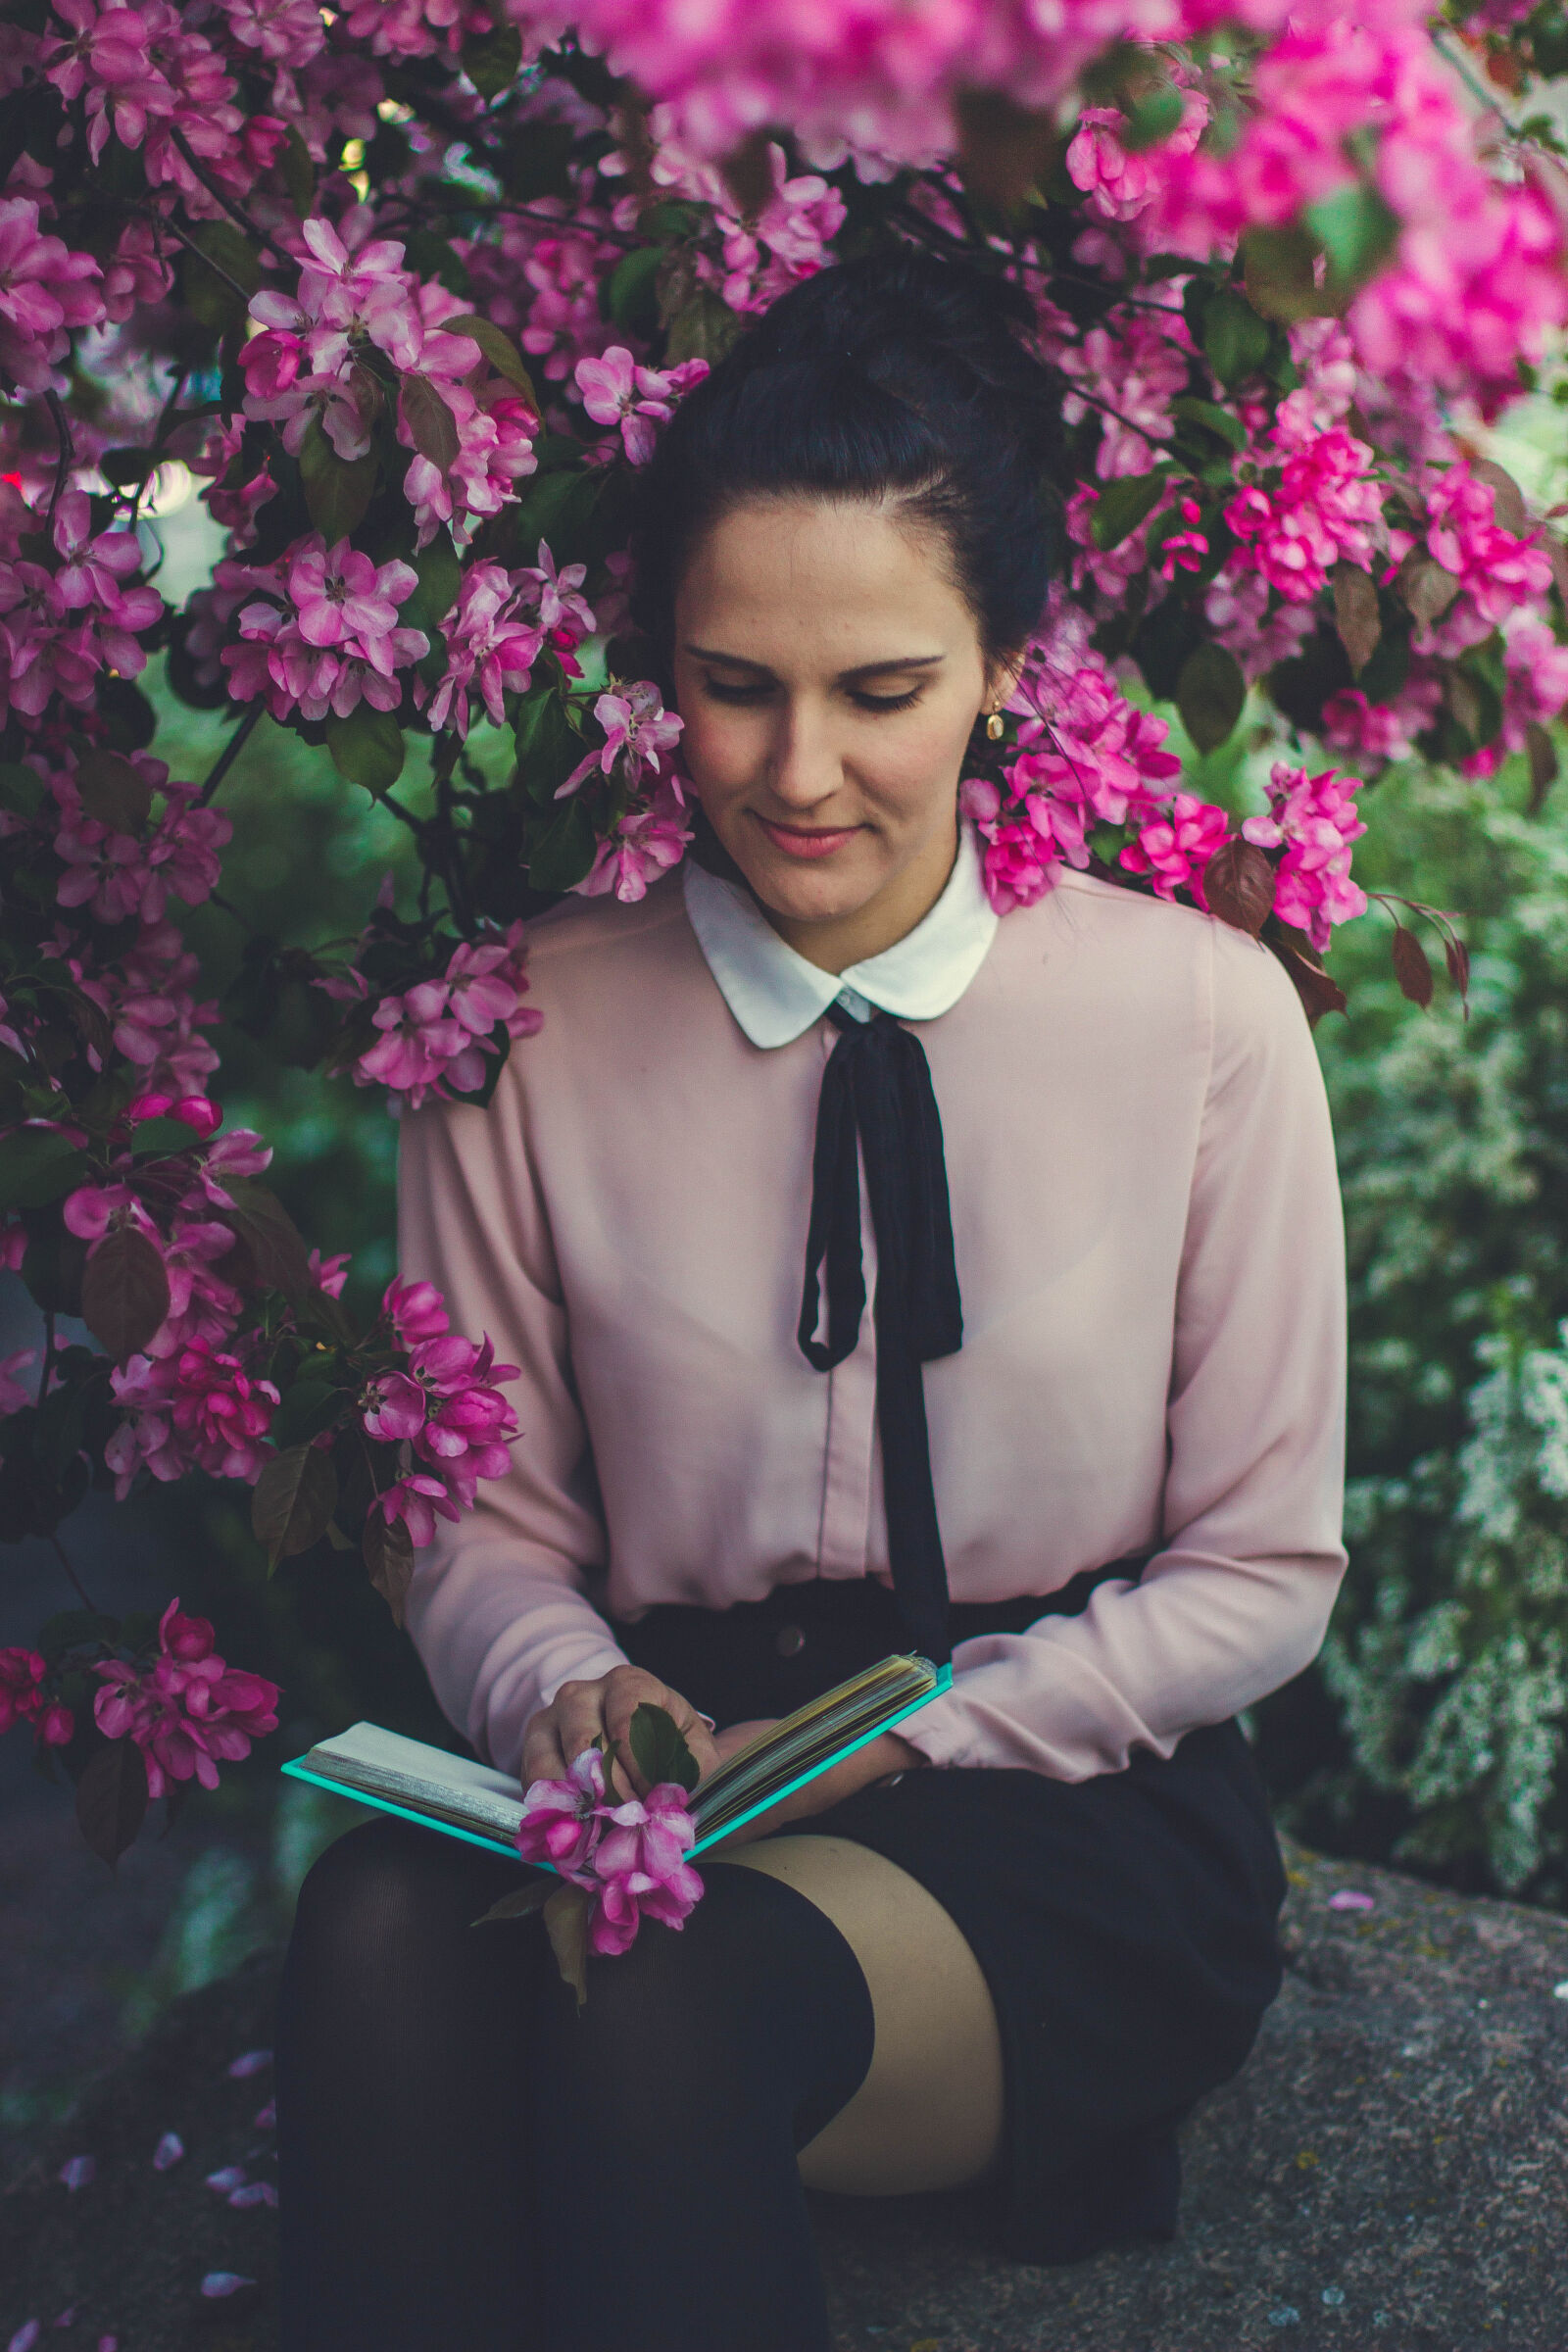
(411, 287)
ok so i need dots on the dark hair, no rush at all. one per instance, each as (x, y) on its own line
(899, 375)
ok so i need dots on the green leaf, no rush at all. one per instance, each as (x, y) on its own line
(292, 1501)
(632, 290)
(367, 748)
(37, 1165)
(21, 789)
(1153, 119)
(217, 302)
(497, 348)
(1357, 231)
(1281, 279)
(1209, 694)
(337, 490)
(659, 1748)
(156, 1139)
(124, 1293)
(429, 420)
(705, 327)
(387, 1549)
(111, 792)
(70, 1626)
(297, 171)
(1122, 506)
(1212, 418)
(269, 1253)
(493, 61)
(309, 1408)
(567, 1911)
(111, 1798)
(565, 851)
(526, 1899)
(428, 254)
(1235, 338)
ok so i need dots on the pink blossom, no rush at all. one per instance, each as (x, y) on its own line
(22, 1698)
(1373, 733)
(186, 1713)
(643, 845)
(1118, 185)
(637, 728)
(78, 2171)
(1145, 362)
(415, 1310)
(248, 2062)
(1325, 510)
(337, 643)
(169, 2151)
(14, 1393)
(45, 290)
(435, 1036)
(617, 390)
(491, 642)
(631, 1857)
(221, 1413)
(1316, 821)
(1175, 848)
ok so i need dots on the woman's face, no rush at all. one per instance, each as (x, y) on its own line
(829, 673)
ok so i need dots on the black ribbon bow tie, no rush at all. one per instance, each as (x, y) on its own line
(876, 1089)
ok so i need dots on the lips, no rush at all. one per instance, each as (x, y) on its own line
(800, 841)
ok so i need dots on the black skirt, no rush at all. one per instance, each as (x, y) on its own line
(1126, 1925)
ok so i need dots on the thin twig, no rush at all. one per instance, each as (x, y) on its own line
(47, 1373)
(229, 754)
(236, 211)
(162, 220)
(86, 1597)
(160, 436)
(67, 451)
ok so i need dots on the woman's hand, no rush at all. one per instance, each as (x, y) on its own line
(878, 1760)
(582, 1714)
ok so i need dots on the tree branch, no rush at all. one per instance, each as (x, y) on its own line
(83, 1595)
(67, 451)
(230, 753)
(236, 211)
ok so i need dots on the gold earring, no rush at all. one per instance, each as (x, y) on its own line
(995, 726)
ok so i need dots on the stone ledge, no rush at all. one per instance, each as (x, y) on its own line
(1390, 2169)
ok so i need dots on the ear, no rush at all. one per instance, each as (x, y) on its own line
(1002, 672)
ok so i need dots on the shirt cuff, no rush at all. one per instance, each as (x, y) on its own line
(942, 1732)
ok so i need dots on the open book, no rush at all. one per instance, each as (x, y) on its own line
(470, 1801)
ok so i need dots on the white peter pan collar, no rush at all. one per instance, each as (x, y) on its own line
(776, 996)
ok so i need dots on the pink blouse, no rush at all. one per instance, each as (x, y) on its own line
(1148, 1244)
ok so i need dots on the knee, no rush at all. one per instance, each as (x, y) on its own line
(363, 1886)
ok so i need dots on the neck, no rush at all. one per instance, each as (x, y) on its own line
(842, 940)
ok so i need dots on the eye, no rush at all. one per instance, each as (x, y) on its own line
(721, 690)
(886, 701)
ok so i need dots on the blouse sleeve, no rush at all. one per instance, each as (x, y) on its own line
(498, 1609)
(1238, 1600)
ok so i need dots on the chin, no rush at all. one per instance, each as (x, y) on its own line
(809, 894)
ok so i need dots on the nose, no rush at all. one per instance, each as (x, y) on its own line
(805, 769)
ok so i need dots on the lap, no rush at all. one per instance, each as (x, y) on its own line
(929, 2113)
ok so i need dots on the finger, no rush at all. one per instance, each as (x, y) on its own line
(626, 1690)
(579, 1717)
(542, 1759)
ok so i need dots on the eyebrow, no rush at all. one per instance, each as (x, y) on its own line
(864, 670)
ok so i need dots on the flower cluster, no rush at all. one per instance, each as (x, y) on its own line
(1314, 819)
(434, 1037)
(630, 1858)
(449, 1412)
(333, 638)
(66, 622)
(1324, 510)
(24, 1699)
(497, 630)
(189, 1712)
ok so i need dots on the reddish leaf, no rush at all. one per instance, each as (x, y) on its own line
(1355, 613)
(1508, 499)
(1456, 956)
(1239, 885)
(1427, 589)
(124, 1293)
(429, 420)
(1318, 992)
(111, 1798)
(388, 1554)
(269, 1253)
(293, 1499)
(1410, 966)
(1543, 765)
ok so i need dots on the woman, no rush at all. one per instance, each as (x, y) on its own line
(1102, 1369)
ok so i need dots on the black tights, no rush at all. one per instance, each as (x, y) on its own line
(469, 2165)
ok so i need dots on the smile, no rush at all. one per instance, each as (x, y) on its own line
(799, 841)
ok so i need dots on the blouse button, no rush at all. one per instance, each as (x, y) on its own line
(789, 1642)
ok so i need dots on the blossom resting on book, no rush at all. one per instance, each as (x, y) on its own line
(630, 1858)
